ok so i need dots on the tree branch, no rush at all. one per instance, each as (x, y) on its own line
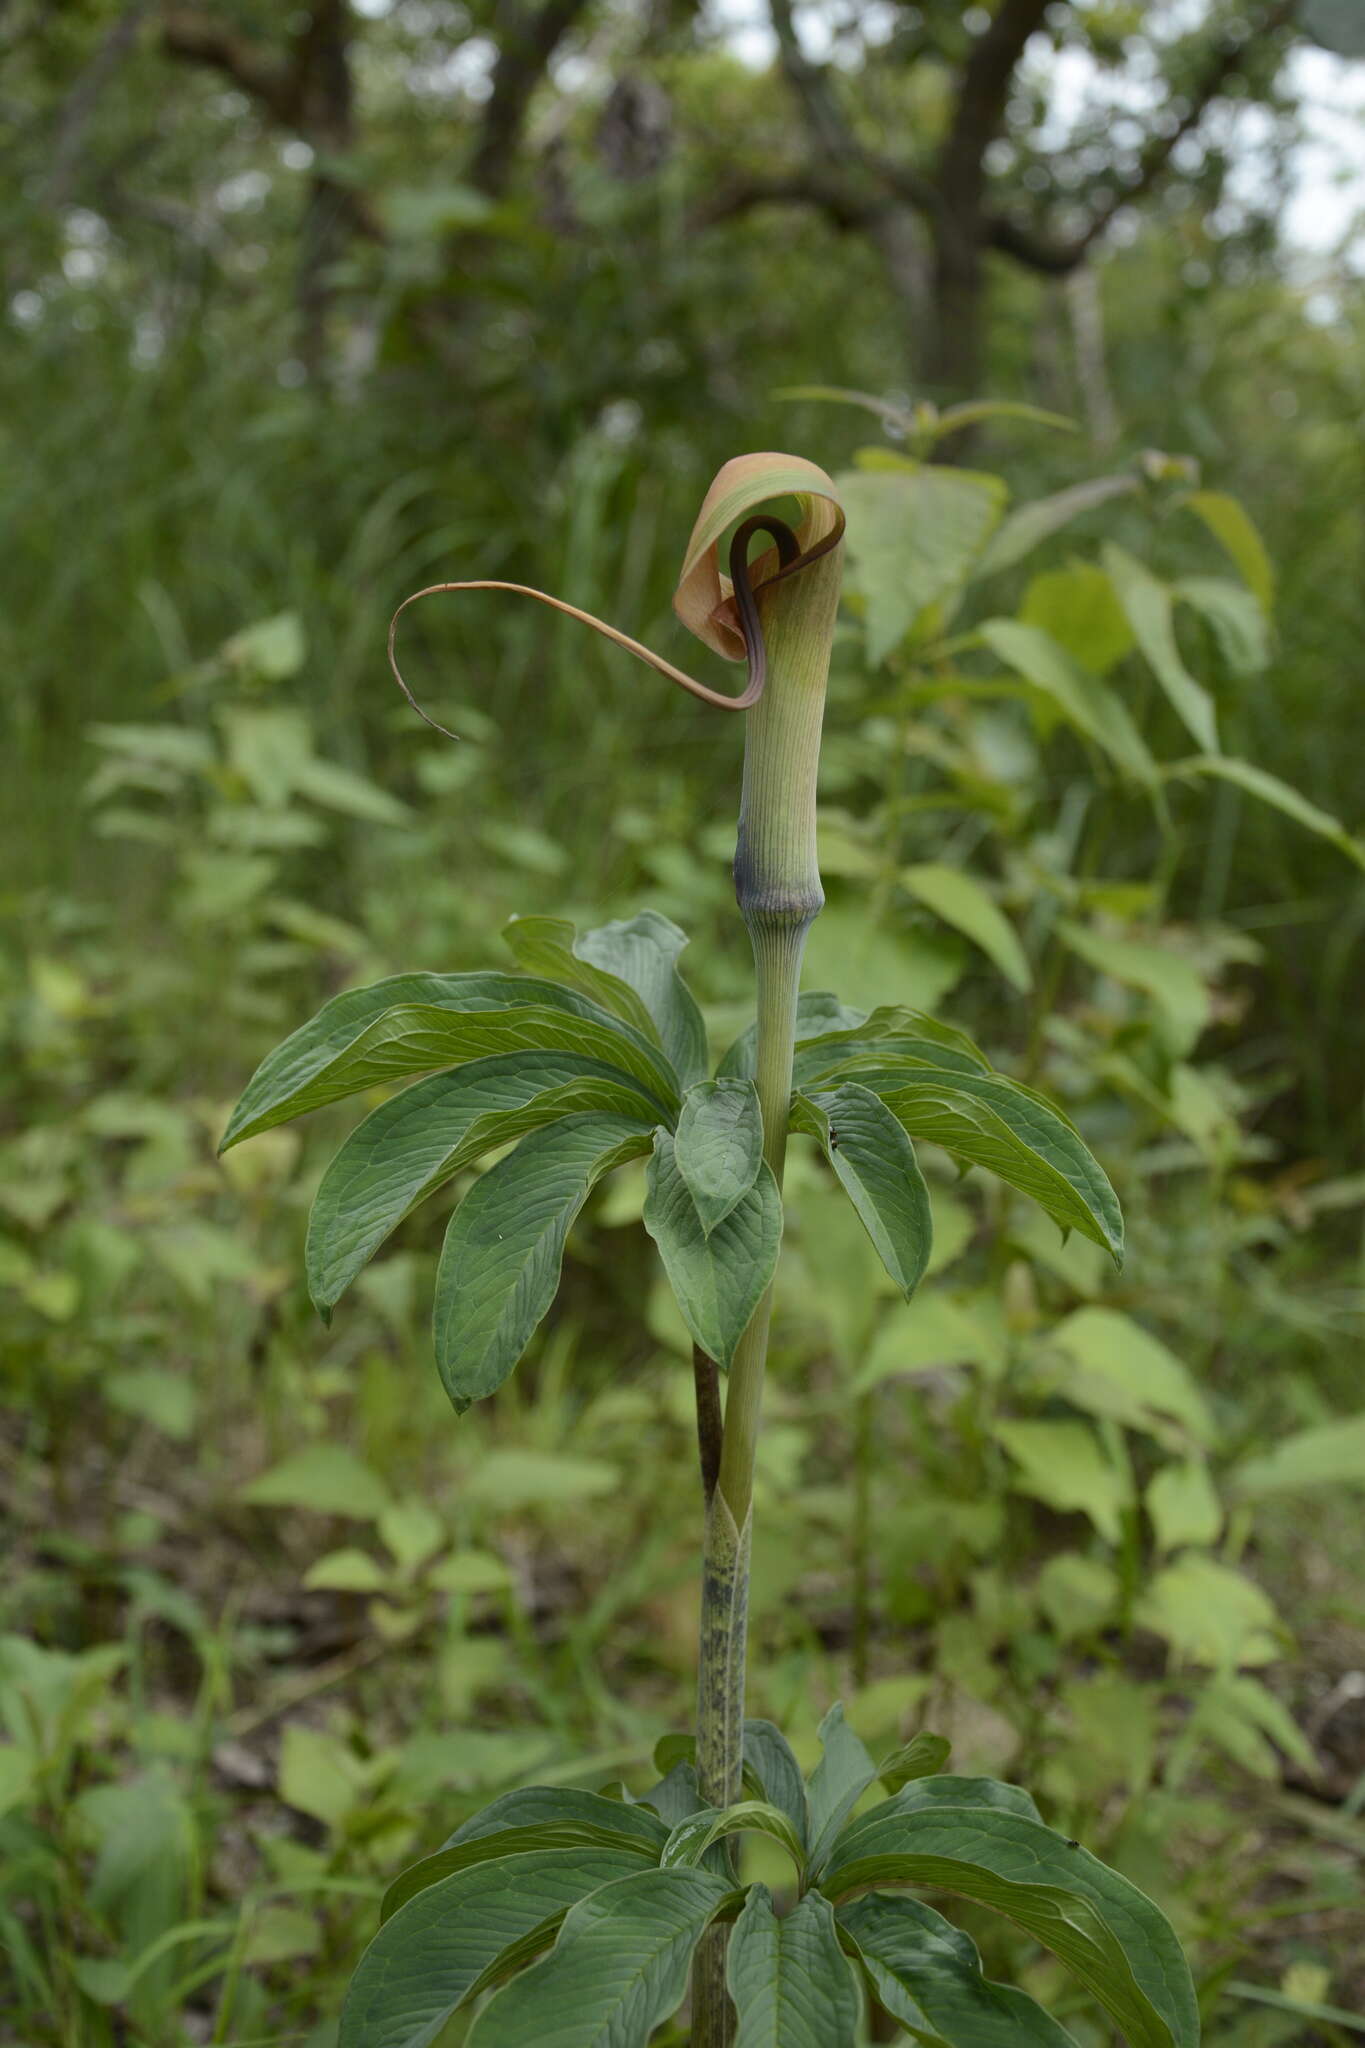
(1010, 237)
(829, 130)
(835, 142)
(84, 98)
(1056, 258)
(844, 208)
(1226, 59)
(526, 45)
(979, 111)
(197, 38)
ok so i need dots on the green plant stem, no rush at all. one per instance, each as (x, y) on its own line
(862, 1537)
(777, 884)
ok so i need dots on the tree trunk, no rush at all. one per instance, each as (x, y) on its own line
(952, 363)
(327, 121)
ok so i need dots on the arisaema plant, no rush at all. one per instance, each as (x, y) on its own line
(565, 1917)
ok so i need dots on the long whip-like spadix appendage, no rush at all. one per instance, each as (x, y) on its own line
(727, 618)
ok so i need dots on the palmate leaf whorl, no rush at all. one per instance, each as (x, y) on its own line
(580, 1915)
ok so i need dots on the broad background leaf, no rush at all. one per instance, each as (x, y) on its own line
(961, 901)
(1151, 614)
(914, 531)
(1083, 700)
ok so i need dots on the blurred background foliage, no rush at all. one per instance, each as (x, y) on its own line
(305, 307)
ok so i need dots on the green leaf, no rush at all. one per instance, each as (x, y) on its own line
(517, 1478)
(1184, 1506)
(1173, 983)
(960, 900)
(1227, 520)
(1210, 1614)
(157, 1395)
(321, 1774)
(415, 1021)
(936, 1331)
(346, 1571)
(411, 1533)
(178, 747)
(1107, 1933)
(718, 1146)
(927, 1974)
(837, 1783)
(774, 1771)
(643, 952)
(425, 213)
(686, 1847)
(922, 1757)
(973, 410)
(877, 1169)
(1066, 1465)
(676, 1794)
(1127, 1373)
(718, 1280)
(273, 649)
(337, 789)
(411, 1144)
(1078, 1596)
(891, 1034)
(618, 1969)
(541, 1805)
(541, 1816)
(1081, 698)
(1261, 1994)
(1235, 619)
(499, 1266)
(1329, 1454)
(817, 1013)
(1077, 608)
(924, 422)
(1244, 1718)
(544, 946)
(1013, 1133)
(789, 1979)
(1150, 606)
(1021, 532)
(914, 531)
(1268, 789)
(428, 1958)
(468, 1572)
(919, 1794)
(18, 1769)
(326, 1478)
(674, 1748)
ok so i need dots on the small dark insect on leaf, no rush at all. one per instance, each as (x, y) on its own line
(833, 1140)
(1073, 1845)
